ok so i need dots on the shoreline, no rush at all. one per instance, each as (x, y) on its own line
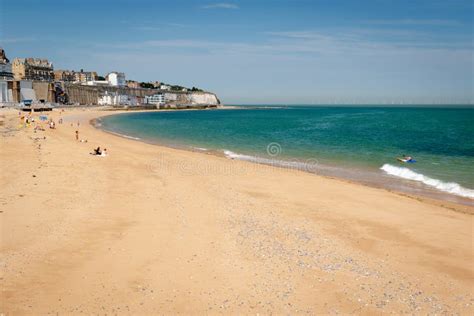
(395, 186)
(157, 230)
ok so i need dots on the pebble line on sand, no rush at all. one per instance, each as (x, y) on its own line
(303, 250)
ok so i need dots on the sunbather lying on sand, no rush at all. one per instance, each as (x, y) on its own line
(99, 152)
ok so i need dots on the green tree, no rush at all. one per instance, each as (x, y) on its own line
(146, 85)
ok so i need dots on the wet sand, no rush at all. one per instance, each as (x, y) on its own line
(150, 229)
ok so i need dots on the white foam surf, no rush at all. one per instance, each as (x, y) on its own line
(306, 165)
(232, 155)
(449, 187)
(125, 136)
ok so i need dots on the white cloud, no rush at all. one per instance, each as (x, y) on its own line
(147, 28)
(221, 5)
(314, 43)
(353, 39)
(309, 44)
(414, 22)
(152, 26)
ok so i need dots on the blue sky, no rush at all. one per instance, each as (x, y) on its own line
(256, 51)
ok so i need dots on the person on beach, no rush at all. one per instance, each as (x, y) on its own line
(97, 151)
(38, 128)
(406, 158)
(77, 135)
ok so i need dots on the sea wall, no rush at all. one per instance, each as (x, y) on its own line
(43, 91)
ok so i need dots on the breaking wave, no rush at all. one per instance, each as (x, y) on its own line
(232, 155)
(124, 136)
(449, 187)
(309, 165)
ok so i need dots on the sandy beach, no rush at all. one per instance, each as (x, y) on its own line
(156, 230)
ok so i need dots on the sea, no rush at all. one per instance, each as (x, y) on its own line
(357, 143)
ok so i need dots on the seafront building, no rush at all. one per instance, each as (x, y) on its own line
(116, 79)
(5, 66)
(32, 69)
(97, 83)
(64, 75)
(157, 99)
(6, 77)
(75, 76)
(110, 98)
(85, 76)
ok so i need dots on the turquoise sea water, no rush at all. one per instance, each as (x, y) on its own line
(359, 143)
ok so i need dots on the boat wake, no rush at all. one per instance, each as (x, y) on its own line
(449, 187)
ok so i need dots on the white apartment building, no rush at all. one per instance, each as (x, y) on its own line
(158, 99)
(97, 83)
(5, 76)
(116, 79)
(117, 99)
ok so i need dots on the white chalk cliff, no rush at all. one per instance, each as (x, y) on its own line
(193, 98)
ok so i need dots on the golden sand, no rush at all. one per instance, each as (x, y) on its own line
(155, 230)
